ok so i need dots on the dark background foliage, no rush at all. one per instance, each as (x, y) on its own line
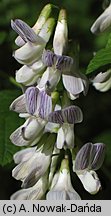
(96, 106)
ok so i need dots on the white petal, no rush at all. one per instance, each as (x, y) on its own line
(28, 75)
(19, 41)
(47, 29)
(73, 84)
(20, 195)
(60, 138)
(29, 133)
(90, 181)
(24, 155)
(102, 77)
(49, 79)
(19, 104)
(32, 128)
(104, 86)
(61, 33)
(69, 135)
(30, 171)
(102, 22)
(29, 53)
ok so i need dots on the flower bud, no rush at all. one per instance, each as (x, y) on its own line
(61, 34)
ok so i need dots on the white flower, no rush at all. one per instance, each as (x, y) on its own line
(61, 188)
(32, 50)
(89, 158)
(33, 193)
(66, 118)
(103, 22)
(28, 75)
(102, 81)
(61, 34)
(60, 65)
(34, 105)
(32, 165)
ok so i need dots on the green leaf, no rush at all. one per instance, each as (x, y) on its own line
(100, 60)
(9, 121)
(106, 139)
(109, 41)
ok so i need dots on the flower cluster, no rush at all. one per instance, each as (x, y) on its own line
(48, 134)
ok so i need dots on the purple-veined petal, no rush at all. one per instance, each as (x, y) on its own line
(49, 58)
(31, 95)
(64, 63)
(90, 156)
(72, 84)
(25, 31)
(17, 138)
(29, 133)
(97, 155)
(56, 117)
(19, 104)
(72, 114)
(45, 105)
(83, 157)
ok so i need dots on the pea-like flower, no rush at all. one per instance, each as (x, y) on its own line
(35, 106)
(102, 81)
(61, 188)
(32, 42)
(36, 192)
(60, 65)
(66, 118)
(89, 158)
(30, 166)
(103, 22)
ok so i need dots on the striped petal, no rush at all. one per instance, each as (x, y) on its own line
(19, 104)
(25, 31)
(72, 84)
(64, 63)
(29, 133)
(97, 155)
(90, 157)
(56, 117)
(49, 58)
(31, 95)
(70, 115)
(83, 158)
(44, 106)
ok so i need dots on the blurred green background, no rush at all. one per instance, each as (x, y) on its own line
(96, 106)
